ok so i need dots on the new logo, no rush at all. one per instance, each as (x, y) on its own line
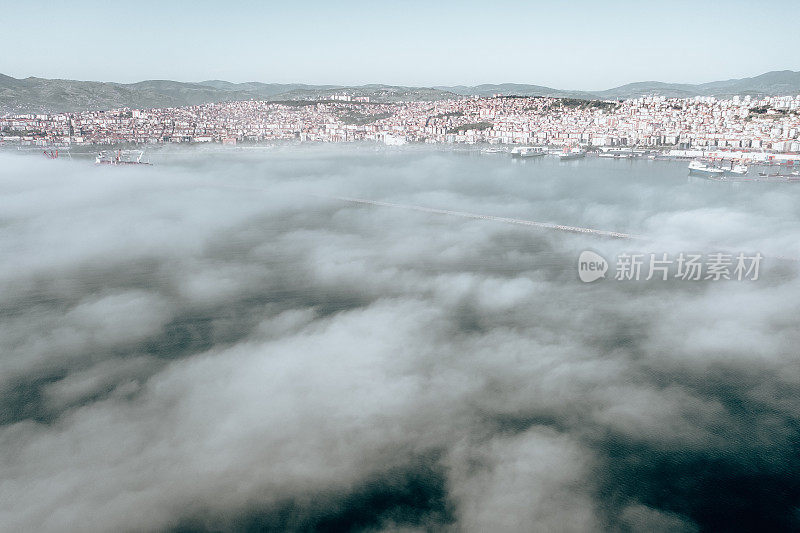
(591, 266)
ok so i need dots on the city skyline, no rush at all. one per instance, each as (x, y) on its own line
(737, 125)
(355, 43)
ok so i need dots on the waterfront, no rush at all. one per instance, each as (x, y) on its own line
(513, 187)
(705, 123)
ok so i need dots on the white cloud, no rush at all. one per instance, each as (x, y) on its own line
(202, 342)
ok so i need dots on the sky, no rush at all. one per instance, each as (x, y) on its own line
(583, 45)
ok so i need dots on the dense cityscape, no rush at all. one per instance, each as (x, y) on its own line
(744, 123)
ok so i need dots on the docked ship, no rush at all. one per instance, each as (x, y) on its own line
(616, 154)
(493, 151)
(737, 170)
(575, 153)
(793, 177)
(121, 157)
(528, 151)
(698, 168)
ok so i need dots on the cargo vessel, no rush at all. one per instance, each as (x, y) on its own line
(528, 151)
(121, 157)
(698, 168)
(738, 170)
(575, 153)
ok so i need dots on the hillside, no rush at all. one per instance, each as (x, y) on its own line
(42, 95)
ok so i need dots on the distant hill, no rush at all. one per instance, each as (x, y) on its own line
(53, 95)
(647, 88)
(776, 83)
(38, 95)
(779, 82)
(45, 95)
(265, 89)
(517, 89)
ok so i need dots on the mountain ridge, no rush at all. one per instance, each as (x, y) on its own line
(42, 95)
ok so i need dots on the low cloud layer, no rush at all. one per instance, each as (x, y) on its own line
(214, 343)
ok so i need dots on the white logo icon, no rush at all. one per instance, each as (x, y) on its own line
(591, 266)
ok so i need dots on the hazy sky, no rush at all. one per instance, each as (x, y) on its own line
(577, 44)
